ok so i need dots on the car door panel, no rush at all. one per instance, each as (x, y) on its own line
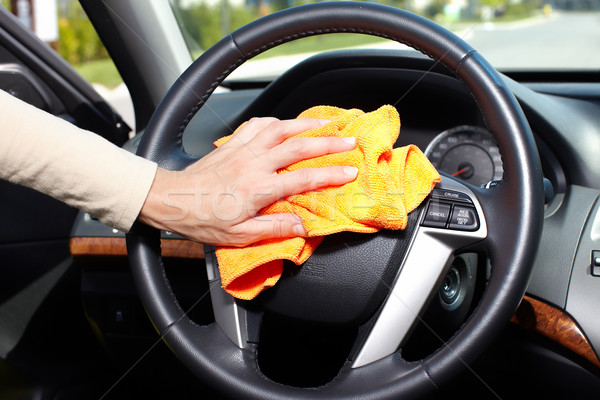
(35, 228)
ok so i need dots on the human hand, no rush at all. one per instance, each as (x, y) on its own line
(216, 200)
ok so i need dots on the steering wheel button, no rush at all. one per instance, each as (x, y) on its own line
(463, 219)
(437, 215)
(450, 195)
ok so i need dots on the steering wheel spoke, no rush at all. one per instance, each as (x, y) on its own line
(229, 315)
(441, 233)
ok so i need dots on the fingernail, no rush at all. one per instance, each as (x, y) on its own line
(299, 230)
(351, 171)
(324, 121)
(350, 140)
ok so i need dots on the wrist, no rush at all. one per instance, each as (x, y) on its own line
(156, 212)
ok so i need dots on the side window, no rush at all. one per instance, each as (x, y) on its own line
(64, 26)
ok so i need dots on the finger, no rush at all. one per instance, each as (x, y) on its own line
(306, 179)
(303, 180)
(302, 148)
(268, 227)
(278, 131)
(250, 129)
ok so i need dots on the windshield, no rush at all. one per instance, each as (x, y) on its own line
(514, 35)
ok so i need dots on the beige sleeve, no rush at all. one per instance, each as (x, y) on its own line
(75, 166)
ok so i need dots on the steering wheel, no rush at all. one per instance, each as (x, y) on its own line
(504, 222)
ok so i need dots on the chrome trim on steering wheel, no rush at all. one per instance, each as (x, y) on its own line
(229, 315)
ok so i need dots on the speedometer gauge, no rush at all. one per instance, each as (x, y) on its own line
(468, 153)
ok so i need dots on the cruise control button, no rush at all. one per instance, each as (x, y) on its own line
(463, 218)
(437, 215)
(450, 195)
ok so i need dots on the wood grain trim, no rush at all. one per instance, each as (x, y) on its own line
(555, 324)
(111, 246)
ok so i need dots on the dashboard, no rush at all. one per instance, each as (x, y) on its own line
(440, 117)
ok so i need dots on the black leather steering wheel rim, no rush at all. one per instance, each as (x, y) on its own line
(513, 208)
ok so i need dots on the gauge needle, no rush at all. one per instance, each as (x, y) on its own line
(465, 171)
(460, 171)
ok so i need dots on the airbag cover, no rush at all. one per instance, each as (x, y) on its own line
(338, 284)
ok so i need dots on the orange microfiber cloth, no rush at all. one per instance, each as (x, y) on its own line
(390, 183)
